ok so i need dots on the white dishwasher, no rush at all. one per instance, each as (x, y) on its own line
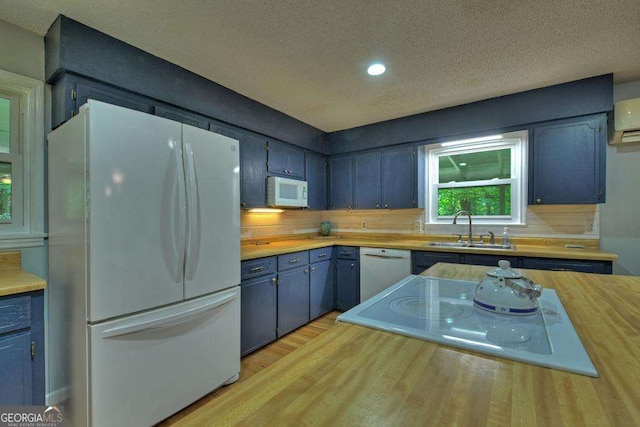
(381, 268)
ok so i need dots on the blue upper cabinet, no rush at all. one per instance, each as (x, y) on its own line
(374, 179)
(316, 167)
(253, 165)
(567, 164)
(285, 160)
(341, 182)
(399, 178)
(368, 180)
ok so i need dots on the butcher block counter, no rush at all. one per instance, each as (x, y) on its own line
(528, 247)
(353, 375)
(15, 280)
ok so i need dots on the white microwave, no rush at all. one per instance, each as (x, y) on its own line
(286, 192)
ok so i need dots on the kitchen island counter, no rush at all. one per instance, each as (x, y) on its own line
(353, 375)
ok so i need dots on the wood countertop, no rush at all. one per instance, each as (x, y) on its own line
(15, 280)
(352, 375)
(279, 247)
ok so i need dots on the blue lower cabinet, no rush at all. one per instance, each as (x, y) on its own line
(293, 299)
(347, 284)
(489, 260)
(22, 349)
(320, 289)
(582, 266)
(15, 375)
(421, 260)
(258, 313)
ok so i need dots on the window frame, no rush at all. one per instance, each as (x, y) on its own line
(26, 228)
(518, 143)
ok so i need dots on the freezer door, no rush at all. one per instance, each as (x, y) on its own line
(136, 211)
(212, 171)
(146, 367)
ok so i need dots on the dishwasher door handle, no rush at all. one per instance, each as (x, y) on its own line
(386, 256)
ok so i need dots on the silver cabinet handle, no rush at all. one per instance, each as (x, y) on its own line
(274, 280)
(386, 205)
(293, 261)
(353, 265)
(322, 255)
(255, 269)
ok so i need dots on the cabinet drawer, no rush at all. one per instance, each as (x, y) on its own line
(347, 252)
(420, 261)
(15, 313)
(320, 254)
(293, 260)
(258, 267)
(598, 267)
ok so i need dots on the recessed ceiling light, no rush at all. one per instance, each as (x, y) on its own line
(376, 69)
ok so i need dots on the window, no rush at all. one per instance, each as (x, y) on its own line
(21, 161)
(484, 176)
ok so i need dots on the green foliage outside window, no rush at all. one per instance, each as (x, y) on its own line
(484, 201)
(5, 201)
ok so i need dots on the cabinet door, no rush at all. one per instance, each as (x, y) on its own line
(320, 289)
(285, 160)
(293, 299)
(568, 162)
(253, 160)
(316, 168)
(398, 182)
(368, 180)
(258, 313)
(341, 182)
(15, 375)
(347, 284)
(253, 165)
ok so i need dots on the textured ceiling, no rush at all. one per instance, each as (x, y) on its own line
(308, 58)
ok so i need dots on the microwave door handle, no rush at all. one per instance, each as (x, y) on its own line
(193, 214)
(180, 212)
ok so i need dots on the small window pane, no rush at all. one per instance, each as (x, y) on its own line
(491, 200)
(5, 125)
(477, 166)
(5, 191)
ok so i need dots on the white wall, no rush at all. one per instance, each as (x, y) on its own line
(21, 51)
(619, 216)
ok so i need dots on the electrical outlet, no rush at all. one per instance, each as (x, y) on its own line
(588, 226)
(363, 224)
(417, 226)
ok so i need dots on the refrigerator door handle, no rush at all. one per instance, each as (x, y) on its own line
(193, 210)
(181, 211)
(167, 321)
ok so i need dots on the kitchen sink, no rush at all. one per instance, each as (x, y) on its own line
(473, 245)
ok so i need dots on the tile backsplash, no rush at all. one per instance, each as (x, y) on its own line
(562, 221)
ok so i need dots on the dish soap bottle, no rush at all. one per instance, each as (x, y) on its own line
(505, 236)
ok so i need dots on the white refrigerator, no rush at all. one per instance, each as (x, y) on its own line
(144, 266)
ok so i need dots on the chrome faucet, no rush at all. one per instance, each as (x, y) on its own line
(455, 218)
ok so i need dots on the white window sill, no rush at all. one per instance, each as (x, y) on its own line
(20, 241)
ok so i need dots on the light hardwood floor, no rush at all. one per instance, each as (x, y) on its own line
(260, 359)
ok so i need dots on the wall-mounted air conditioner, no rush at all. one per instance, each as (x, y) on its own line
(627, 121)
